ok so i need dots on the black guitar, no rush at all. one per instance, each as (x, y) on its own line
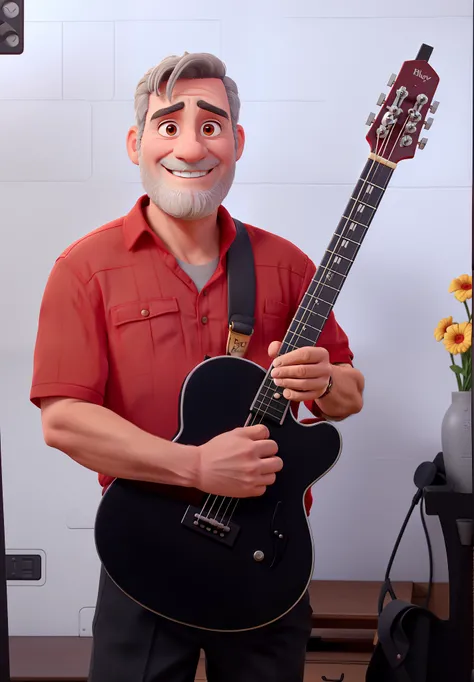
(228, 564)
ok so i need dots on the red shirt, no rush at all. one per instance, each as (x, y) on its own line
(121, 324)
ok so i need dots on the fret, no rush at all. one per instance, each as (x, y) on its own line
(358, 201)
(319, 299)
(348, 246)
(305, 324)
(357, 222)
(302, 336)
(339, 255)
(271, 407)
(348, 228)
(329, 275)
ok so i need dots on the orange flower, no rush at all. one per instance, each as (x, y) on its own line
(440, 330)
(462, 287)
(458, 338)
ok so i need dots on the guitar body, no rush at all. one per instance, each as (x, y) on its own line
(201, 575)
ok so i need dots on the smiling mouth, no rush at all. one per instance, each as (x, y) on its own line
(189, 174)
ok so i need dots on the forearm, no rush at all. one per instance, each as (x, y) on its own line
(104, 442)
(345, 397)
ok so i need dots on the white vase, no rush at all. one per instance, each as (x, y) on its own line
(456, 442)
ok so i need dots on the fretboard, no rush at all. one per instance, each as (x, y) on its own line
(323, 291)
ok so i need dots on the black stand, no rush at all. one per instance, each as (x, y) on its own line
(455, 649)
(4, 641)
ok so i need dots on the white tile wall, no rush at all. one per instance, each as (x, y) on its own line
(106, 10)
(141, 44)
(37, 73)
(45, 141)
(309, 72)
(111, 121)
(88, 55)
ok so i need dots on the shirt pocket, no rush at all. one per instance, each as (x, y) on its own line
(145, 330)
(275, 319)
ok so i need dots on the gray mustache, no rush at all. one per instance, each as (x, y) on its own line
(172, 164)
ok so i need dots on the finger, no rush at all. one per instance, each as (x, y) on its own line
(299, 396)
(270, 465)
(268, 479)
(256, 432)
(316, 385)
(266, 448)
(302, 356)
(273, 348)
(301, 371)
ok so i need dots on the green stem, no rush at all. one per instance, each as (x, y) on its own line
(456, 375)
(469, 316)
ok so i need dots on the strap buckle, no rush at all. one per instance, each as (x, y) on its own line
(237, 342)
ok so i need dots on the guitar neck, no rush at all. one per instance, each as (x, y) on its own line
(331, 275)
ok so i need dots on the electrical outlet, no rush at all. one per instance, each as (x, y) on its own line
(25, 567)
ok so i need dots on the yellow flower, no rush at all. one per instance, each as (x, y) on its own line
(462, 287)
(440, 330)
(458, 338)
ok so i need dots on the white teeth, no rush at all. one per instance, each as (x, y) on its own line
(189, 174)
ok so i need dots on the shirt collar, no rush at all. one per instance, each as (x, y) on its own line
(135, 225)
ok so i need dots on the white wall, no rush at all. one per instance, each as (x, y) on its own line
(315, 68)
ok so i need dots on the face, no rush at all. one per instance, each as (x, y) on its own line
(188, 151)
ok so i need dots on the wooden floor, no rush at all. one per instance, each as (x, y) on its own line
(345, 619)
(28, 668)
(354, 667)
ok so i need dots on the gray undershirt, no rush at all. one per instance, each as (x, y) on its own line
(200, 274)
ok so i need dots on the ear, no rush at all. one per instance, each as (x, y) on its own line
(132, 141)
(240, 141)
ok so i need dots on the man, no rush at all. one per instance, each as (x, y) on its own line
(129, 310)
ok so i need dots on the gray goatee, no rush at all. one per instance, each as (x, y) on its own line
(186, 204)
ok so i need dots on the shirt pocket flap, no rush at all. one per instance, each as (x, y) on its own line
(277, 308)
(135, 311)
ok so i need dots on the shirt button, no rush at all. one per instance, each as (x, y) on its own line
(204, 319)
(145, 312)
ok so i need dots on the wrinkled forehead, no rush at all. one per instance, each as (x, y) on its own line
(189, 91)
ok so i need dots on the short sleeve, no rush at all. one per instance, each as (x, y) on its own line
(70, 355)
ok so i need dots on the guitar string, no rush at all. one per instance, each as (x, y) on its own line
(301, 323)
(207, 513)
(365, 181)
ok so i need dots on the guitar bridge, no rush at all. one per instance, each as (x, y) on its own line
(211, 527)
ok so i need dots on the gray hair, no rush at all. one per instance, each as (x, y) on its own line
(190, 65)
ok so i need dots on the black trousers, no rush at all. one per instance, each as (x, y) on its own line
(131, 644)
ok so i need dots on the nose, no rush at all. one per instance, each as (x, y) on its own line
(189, 148)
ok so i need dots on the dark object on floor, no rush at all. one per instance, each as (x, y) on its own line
(414, 645)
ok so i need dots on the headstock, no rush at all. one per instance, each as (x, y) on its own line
(395, 132)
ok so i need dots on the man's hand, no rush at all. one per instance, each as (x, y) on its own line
(303, 373)
(239, 463)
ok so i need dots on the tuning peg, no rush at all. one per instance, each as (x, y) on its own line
(392, 79)
(434, 107)
(381, 99)
(370, 119)
(423, 142)
(428, 123)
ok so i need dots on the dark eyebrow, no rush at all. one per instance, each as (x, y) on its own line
(210, 107)
(167, 110)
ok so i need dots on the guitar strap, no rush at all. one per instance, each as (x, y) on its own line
(240, 292)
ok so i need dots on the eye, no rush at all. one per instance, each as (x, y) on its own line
(168, 129)
(211, 129)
